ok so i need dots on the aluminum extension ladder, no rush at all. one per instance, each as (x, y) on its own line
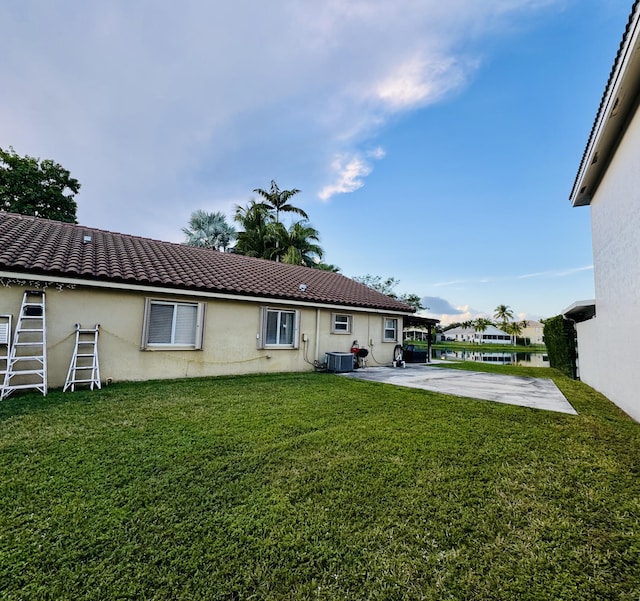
(27, 363)
(84, 367)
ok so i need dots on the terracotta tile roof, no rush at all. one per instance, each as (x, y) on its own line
(41, 247)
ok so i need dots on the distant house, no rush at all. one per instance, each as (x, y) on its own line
(491, 335)
(534, 331)
(171, 311)
(608, 181)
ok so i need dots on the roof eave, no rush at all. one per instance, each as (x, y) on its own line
(617, 107)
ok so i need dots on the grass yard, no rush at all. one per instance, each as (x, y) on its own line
(314, 486)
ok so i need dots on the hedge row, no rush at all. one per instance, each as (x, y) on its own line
(560, 339)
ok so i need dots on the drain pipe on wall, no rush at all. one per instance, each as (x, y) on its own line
(317, 334)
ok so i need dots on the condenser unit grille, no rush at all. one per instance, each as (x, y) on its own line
(339, 362)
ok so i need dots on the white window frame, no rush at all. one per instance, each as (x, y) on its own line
(198, 337)
(264, 319)
(394, 329)
(335, 329)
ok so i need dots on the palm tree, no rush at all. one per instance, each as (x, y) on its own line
(481, 324)
(512, 328)
(259, 234)
(298, 245)
(209, 230)
(328, 267)
(503, 313)
(278, 200)
(524, 324)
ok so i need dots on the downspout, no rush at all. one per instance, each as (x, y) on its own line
(317, 334)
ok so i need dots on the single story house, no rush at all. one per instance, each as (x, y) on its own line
(168, 310)
(491, 335)
(608, 181)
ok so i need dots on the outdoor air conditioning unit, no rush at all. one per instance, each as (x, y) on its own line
(339, 362)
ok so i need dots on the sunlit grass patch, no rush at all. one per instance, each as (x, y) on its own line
(312, 486)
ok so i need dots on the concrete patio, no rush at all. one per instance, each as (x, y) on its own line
(536, 393)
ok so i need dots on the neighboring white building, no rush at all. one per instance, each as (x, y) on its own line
(491, 335)
(608, 181)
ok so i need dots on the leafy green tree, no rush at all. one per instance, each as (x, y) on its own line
(278, 201)
(209, 230)
(377, 283)
(387, 287)
(30, 186)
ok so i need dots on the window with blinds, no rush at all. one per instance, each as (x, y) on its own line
(172, 324)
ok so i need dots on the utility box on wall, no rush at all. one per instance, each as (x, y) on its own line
(339, 362)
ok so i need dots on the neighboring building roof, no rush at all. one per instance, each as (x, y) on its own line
(37, 246)
(491, 330)
(581, 310)
(417, 321)
(617, 107)
(531, 323)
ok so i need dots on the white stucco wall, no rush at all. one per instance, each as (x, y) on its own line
(608, 344)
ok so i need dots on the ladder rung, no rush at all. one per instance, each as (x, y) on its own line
(11, 366)
(26, 372)
(23, 386)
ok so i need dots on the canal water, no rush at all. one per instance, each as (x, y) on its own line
(498, 358)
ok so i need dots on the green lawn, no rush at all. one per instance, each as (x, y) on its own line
(313, 486)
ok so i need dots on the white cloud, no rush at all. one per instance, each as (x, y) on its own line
(158, 108)
(557, 273)
(350, 172)
(420, 81)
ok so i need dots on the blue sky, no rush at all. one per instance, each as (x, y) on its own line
(432, 142)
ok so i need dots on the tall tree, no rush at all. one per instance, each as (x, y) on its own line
(481, 324)
(278, 200)
(30, 186)
(387, 287)
(257, 236)
(513, 328)
(503, 313)
(298, 245)
(377, 283)
(209, 230)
